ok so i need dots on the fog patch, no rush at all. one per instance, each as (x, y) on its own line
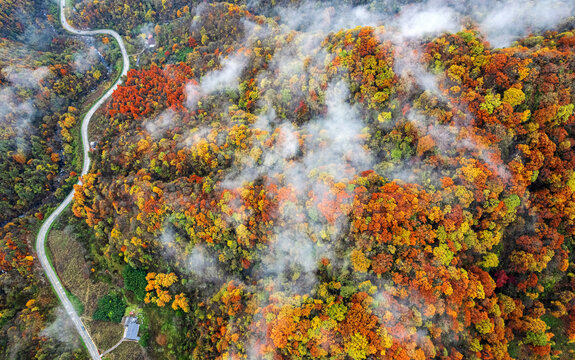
(16, 116)
(158, 126)
(227, 77)
(83, 61)
(427, 20)
(312, 16)
(26, 78)
(192, 259)
(512, 19)
(62, 329)
(203, 265)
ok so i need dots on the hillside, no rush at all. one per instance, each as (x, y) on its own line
(349, 193)
(44, 78)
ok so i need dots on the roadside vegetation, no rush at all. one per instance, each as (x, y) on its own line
(101, 298)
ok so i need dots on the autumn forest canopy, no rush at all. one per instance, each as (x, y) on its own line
(368, 180)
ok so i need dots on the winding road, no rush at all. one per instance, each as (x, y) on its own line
(43, 232)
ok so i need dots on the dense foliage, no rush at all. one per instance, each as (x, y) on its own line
(44, 78)
(135, 281)
(39, 147)
(111, 307)
(311, 195)
(273, 191)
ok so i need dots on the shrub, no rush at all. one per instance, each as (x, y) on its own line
(111, 307)
(135, 281)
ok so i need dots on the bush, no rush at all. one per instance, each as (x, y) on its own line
(111, 307)
(135, 281)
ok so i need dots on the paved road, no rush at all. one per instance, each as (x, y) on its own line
(41, 238)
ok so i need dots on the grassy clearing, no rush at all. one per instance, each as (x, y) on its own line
(68, 259)
(128, 350)
(105, 334)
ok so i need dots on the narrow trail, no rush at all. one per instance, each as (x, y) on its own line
(43, 232)
(113, 347)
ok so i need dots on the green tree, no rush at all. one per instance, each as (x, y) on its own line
(135, 281)
(111, 307)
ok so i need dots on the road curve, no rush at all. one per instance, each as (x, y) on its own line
(43, 232)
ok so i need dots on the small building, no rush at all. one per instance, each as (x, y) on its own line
(131, 328)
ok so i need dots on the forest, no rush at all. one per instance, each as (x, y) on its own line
(305, 194)
(44, 74)
(267, 188)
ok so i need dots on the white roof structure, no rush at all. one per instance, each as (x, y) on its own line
(132, 328)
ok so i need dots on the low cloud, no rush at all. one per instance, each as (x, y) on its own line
(427, 20)
(226, 77)
(26, 78)
(62, 329)
(312, 16)
(512, 19)
(192, 259)
(158, 126)
(204, 265)
(16, 116)
(83, 61)
(335, 146)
